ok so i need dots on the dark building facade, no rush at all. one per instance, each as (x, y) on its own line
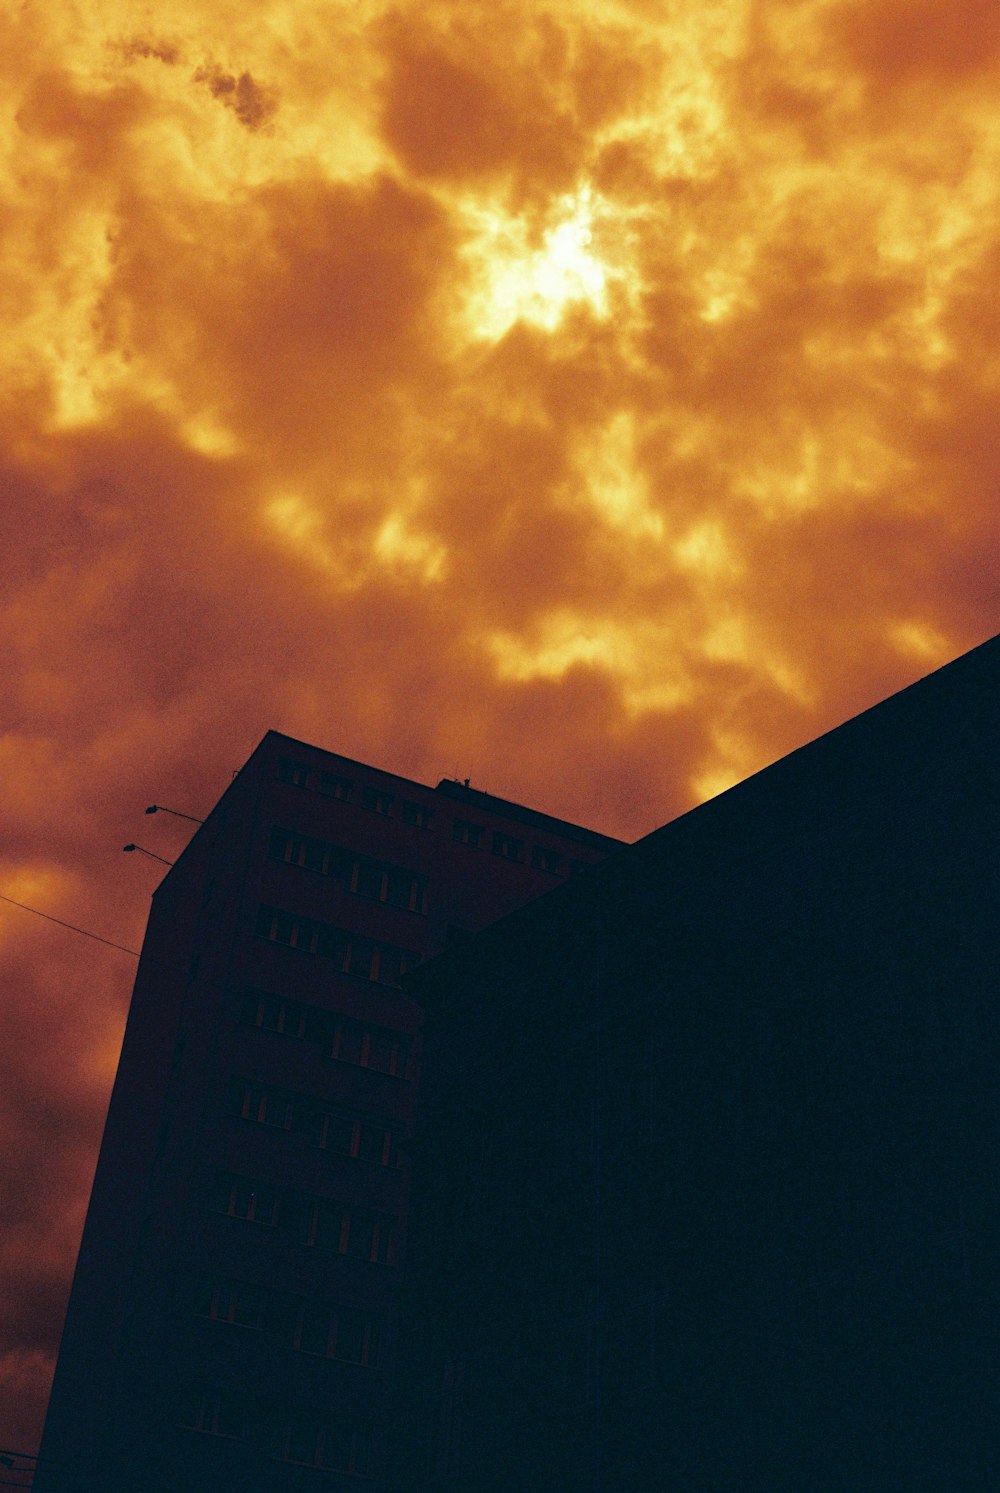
(232, 1318)
(706, 1168)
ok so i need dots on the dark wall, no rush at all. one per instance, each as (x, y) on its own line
(709, 1143)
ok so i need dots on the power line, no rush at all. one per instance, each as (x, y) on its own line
(72, 926)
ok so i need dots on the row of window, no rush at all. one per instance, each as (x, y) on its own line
(380, 801)
(394, 885)
(361, 1044)
(350, 952)
(313, 1327)
(335, 785)
(509, 847)
(331, 1129)
(313, 1438)
(321, 1223)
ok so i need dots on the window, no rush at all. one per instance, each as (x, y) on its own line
(546, 860)
(467, 833)
(290, 771)
(392, 884)
(273, 1014)
(404, 889)
(308, 853)
(240, 1197)
(235, 1302)
(506, 845)
(370, 1047)
(376, 801)
(336, 786)
(264, 1106)
(416, 814)
(368, 878)
(335, 1332)
(365, 1235)
(219, 1412)
(350, 1135)
(288, 929)
(351, 954)
(336, 1443)
(349, 1231)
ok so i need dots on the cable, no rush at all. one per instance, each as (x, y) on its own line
(72, 926)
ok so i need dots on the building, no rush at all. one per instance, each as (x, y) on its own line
(706, 1169)
(232, 1318)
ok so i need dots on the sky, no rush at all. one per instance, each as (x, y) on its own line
(595, 400)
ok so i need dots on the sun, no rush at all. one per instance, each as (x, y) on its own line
(521, 274)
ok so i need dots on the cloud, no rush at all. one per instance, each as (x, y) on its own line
(252, 104)
(597, 402)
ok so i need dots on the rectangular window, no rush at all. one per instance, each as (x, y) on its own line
(404, 889)
(370, 1047)
(335, 1332)
(467, 833)
(336, 786)
(546, 860)
(240, 1197)
(219, 1412)
(261, 1105)
(288, 929)
(351, 954)
(335, 1443)
(236, 1302)
(362, 1140)
(350, 1231)
(376, 801)
(508, 846)
(273, 1014)
(290, 771)
(416, 814)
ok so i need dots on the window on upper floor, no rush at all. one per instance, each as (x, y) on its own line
(467, 833)
(273, 1013)
(508, 846)
(354, 1136)
(218, 1412)
(416, 814)
(359, 1043)
(241, 1197)
(336, 786)
(350, 953)
(393, 885)
(239, 1303)
(290, 771)
(348, 1230)
(260, 1104)
(335, 1443)
(546, 860)
(376, 800)
(335, 1332)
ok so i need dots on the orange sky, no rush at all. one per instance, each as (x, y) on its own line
(596, 400)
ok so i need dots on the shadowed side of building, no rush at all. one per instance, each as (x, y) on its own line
(706, 1164)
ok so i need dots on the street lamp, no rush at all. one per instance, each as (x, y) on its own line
(152, 854)
(162, 809)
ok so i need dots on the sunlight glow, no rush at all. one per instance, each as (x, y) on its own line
(519, 280)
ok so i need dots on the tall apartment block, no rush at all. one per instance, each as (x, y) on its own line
(705, 1189)
(233, 1315)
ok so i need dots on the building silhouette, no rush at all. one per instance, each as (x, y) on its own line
(706, 1167)
(233, 1313)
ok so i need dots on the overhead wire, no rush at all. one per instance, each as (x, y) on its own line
(72, 926)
